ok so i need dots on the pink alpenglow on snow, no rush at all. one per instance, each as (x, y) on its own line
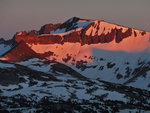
(76, 38)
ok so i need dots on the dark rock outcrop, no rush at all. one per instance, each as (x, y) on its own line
(2, 40)
(120, 35)
(135, 34)
(49, 39)
(33, 32)
(72, 37)
(69, 24)
(46, 29)
(143, 33)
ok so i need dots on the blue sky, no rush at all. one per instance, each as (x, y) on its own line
(18, 15)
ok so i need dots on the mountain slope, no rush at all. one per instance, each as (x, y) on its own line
(81, 65)
(95, 48)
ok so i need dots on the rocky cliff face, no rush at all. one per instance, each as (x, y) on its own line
(79, 30)
(47, 28)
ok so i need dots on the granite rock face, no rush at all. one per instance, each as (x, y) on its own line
(47, 28)
(79, 30)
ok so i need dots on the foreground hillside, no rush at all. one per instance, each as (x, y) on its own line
(56, 87)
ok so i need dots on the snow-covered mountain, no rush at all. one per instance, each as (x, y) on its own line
(80, 59)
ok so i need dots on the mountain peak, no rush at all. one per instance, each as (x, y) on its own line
(84, 31)
(87, 32)
(72, 19)
(71, 24)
